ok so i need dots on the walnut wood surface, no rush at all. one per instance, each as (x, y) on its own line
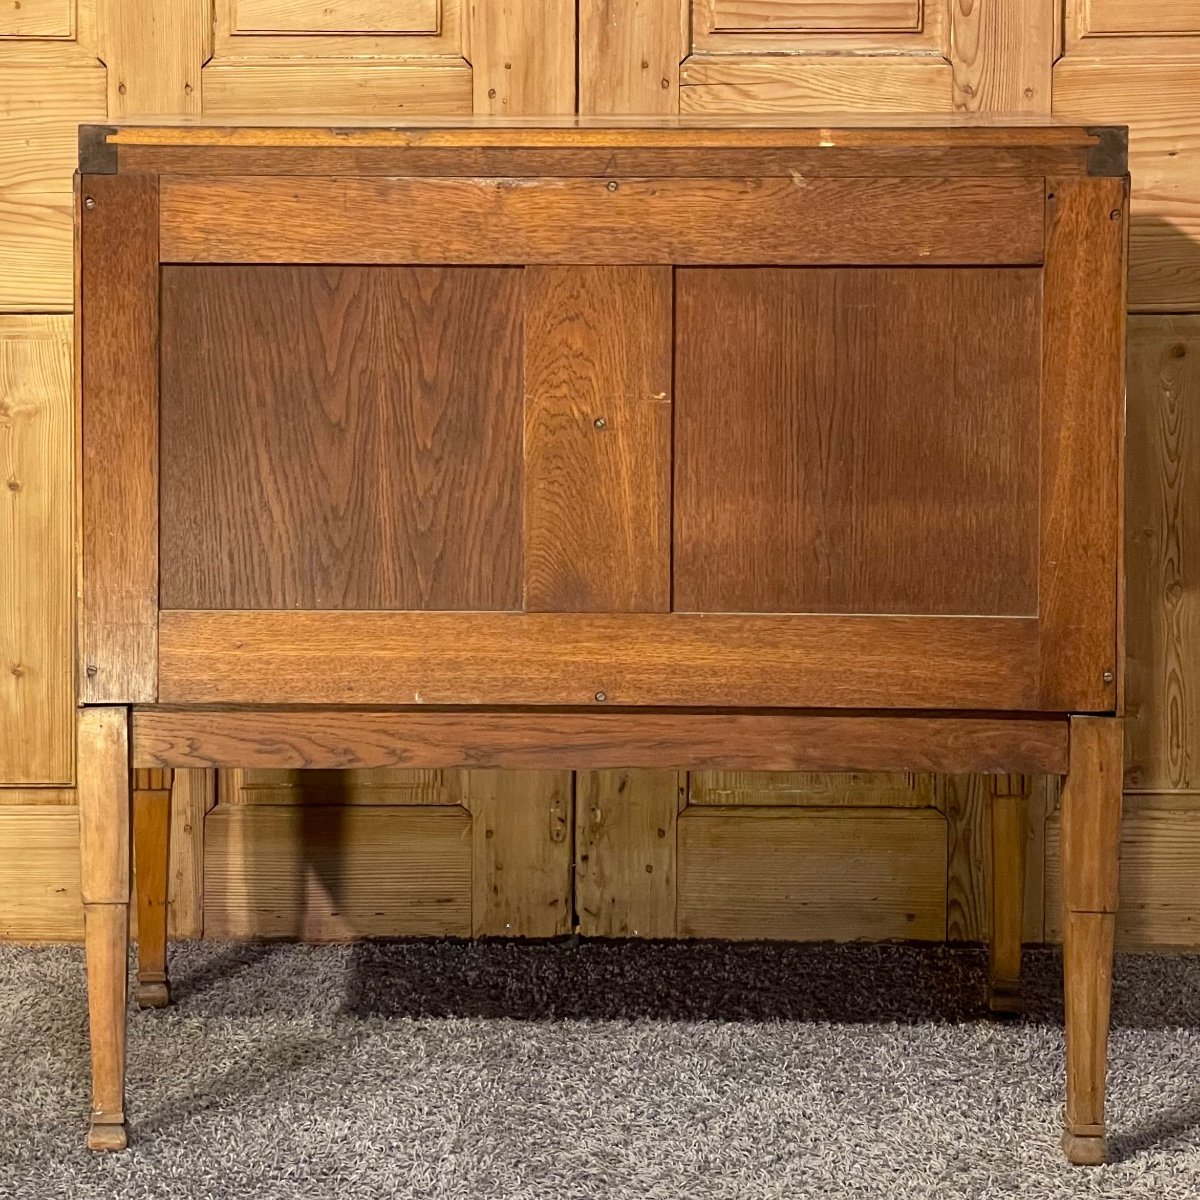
(830, 425)
(598, 439)
(1083, 381)
(341, 437)
(349, 739)
(119, 437)
(576, 221)
(625, 658)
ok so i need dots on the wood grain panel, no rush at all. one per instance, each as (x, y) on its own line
(1002, 55)
(1083, 374)
(353, 785)
(119, 435)
(275, 379)
(39, 874)
(750, 83)
(522, 56)
(628, 57)
(1134, 16)
(273, 743)
(336, 873)
(37, 709)
(270, 657)
(625, 853)
(851, 789)
(154, 66)
(1162, 697)
(598, 439)
(882, 400)
(583, 221)
(104, 826)
(523, 844)
(841, 16)
(38, 19)
(336, 16)
(804, 874)
(35, 248)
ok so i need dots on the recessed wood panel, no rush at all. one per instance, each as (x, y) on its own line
(341, 437)
(857, 441)
(37, 19)
(598, 439)
(1133, 17)
(844, 16)
(803, 874)
(335, 16)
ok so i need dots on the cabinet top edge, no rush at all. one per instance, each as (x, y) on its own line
(1105, 146)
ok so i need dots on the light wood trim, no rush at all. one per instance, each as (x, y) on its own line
(103, 790)
(1091, 815)
(118, 329)
(340, 739)
(1083, 380)
(774, 220)
(678, 659)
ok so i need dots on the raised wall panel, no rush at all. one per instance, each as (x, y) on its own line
(39, 873)
(37, 19)
(851, 789)
(846, 470)
(1095, 18)
(37, 583)
(336, 16)
(377, 785)
(808, 874)
(336, 872)
(842, 16)
(267, 500)
(1162, 531)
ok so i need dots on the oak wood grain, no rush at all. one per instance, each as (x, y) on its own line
(585, 221)
(270, 657)
(597, 439)
(1083, 346)
(857, 441)
(324, 738)
(341, 437)
(118, 330)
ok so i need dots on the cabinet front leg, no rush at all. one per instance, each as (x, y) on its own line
(1009, 813)
(151, 857)
(1091, 838)
(104, 839)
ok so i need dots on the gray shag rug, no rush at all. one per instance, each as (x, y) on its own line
(662, 1071)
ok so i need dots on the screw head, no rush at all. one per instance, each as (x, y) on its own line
(1109, 677)
(601, 697)
(600, 423)
(88, 202)
(1115, 215)
(613, 185)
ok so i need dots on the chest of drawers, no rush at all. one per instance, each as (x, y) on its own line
(561, 445)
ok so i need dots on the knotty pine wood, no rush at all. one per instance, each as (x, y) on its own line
(336, 872)
(119, 438)
(853, 789)
(522, 56)
(39, 872)
(268, 500)
(675, 659)
(275, 745)
(598, 439)
(629, 55)
(1083, 373)
(625, 852)
(804, 873)
(823, 220)
(37, 708)
(902, 366)
(1162, 526)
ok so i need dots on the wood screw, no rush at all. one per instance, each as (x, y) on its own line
(1109, 677)
(600, 423)
(601, 697)
(89, 203)
(1115, 215)
(613, 185)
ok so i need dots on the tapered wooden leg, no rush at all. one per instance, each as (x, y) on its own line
(1091, 838)
(1010, 806)
(104, 838)
(151, 852)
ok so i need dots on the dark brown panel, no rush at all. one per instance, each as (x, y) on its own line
(615, 658)
(598, 439)
(1083, 436)
(341, 437)
(118, 337)
(298, 739)
(570, 221)
(857, 441)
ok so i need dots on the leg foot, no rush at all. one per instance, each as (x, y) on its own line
(1009, 805)
(106, 1136)
(1084, 1151)
(151, 855)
